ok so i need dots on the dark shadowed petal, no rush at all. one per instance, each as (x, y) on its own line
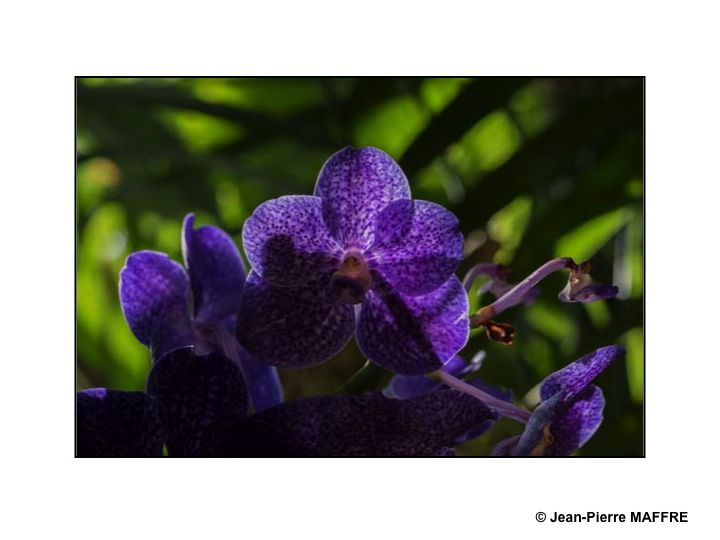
(154, 294)
(574, 426)
(253, 437)
(575, 377)
(369, 425)
(286, 240)
(412, 335)
(355, 185)
(199, 397)
(262, 381)
(111, 423)
(292, 327)
(216, 272)
(424, 254)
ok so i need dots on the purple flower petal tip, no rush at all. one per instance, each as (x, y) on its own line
(355, 185)
(216, 271)
(154, 296)
(576, 376)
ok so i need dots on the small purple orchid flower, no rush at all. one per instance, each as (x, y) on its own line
(581, 288)
(156, 294)
(570, 410)
(358, 256)
(197, 407)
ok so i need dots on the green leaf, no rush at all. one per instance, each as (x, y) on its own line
(587, 239)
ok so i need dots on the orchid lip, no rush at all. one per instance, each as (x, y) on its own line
(352, 279)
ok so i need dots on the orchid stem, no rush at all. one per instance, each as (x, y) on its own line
(518, 292)
(502, 407)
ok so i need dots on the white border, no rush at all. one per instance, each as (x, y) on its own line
(47, 492)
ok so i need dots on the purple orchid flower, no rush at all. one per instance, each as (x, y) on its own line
(570, 410)
(358, 256)
(581, 288)
(156, 293)
(197, 407)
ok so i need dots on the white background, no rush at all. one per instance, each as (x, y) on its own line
(46, 493)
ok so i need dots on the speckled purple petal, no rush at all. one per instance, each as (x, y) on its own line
(575, 377)
(111, 423)
(575, 425)
(262, 381)
(424, 254)
(216, 272)
(293, 327)
(286, 240)
(199, 397)
(412, 335)
(369, 425)
(355, 185)
(154, 295)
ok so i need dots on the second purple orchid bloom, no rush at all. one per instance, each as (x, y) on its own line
(359, 256)
(169, 307)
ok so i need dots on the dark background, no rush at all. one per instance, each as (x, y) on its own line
(533, 167)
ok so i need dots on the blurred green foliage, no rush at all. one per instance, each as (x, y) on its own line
(533, 167)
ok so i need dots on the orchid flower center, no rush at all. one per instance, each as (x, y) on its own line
(212, 337)
(352, 279)
(579, 277)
